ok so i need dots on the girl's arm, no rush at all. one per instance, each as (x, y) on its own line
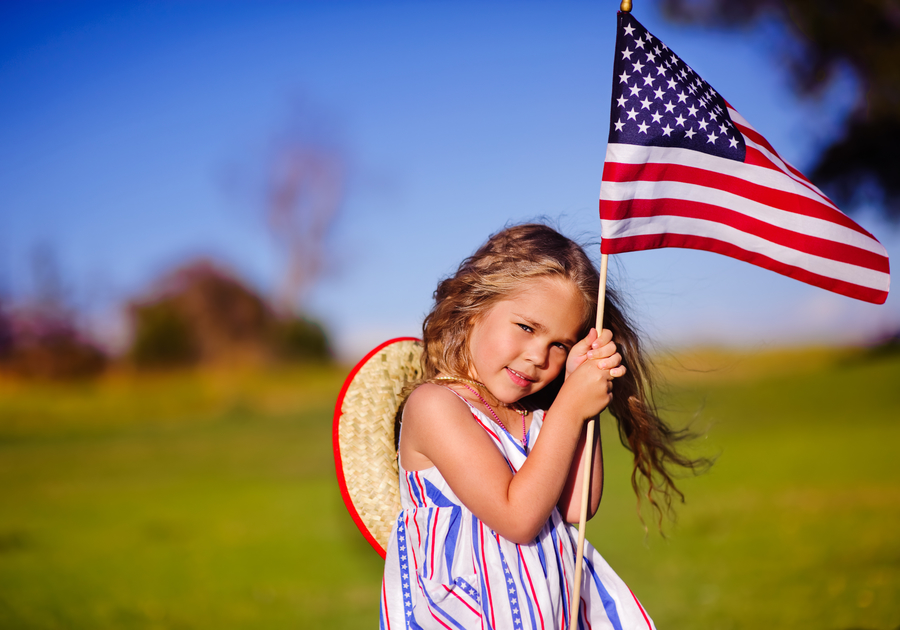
(593, 346)
(438, 429)
(569, 503)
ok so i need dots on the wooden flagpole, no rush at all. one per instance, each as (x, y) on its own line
(588, 456)
(587, 463)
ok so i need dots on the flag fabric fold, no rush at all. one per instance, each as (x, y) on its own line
(684, 169)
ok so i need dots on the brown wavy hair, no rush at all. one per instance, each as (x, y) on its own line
(494, 273)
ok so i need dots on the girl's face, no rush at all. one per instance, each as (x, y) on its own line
(520, 345)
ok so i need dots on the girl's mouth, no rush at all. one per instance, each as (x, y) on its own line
(519, 379)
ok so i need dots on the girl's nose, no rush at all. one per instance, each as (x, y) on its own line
(537, 354)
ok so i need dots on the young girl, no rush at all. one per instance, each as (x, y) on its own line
(491, 445)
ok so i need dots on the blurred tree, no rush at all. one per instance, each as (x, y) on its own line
(305, 190)
(822, 37)
(6, 338)
(298, 338)
(162, 335)
(202, 313)
(40, 337)
(46, 344)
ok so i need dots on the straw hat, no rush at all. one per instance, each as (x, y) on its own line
(365, 422)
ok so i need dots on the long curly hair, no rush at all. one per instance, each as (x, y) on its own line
(495, 272)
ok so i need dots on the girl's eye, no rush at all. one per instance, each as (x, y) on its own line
(561, 346)
(526, 328)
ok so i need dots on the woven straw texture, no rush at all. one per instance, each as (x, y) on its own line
(366, 434)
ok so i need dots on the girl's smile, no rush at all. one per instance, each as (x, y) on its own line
(521, 344)
(519, 379)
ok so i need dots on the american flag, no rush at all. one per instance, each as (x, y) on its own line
(684, 169)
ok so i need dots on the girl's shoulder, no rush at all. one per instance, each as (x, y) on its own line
(436, 423)
(430, 399)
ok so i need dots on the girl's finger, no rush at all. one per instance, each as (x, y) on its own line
(583, 346)
(606, 350)
(591, 339)
(609, 362)
(604, 337)
(594, 338)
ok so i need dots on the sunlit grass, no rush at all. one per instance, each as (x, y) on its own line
(794, 525)
(208, 500)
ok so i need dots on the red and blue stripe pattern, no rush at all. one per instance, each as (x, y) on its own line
(446, 569)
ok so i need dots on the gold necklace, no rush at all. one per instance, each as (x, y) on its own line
(457, 378)
(519, 409)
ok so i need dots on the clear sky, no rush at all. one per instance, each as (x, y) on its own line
(135, 135)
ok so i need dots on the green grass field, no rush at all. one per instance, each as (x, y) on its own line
(208, 500)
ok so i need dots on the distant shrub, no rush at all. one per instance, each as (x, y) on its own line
(42, 343)
(886, 347)
(162, 335)
(299, 339)
(57, 357)
(6, 334)
(201, 313)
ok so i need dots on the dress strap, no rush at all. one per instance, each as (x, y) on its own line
(498, 441)
(458, 395)
(474, 411)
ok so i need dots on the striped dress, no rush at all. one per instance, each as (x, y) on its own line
(446, 569)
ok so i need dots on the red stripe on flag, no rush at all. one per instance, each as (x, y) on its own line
(755, 157)
(754, 135)
(656, 241)
(824, 248)
(773, 197)
(759, 158)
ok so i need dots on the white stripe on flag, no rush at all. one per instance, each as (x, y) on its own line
(811, 226)
(776, 159)
(666, 224)
(635, 154)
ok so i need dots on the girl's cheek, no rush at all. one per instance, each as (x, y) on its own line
(558, 366)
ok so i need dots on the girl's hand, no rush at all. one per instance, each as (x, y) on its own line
(589, 386)
(592, 347)
(578, 353)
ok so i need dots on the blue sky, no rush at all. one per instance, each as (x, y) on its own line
(135, 135)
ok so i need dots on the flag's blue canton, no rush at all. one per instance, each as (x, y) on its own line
(659, 101)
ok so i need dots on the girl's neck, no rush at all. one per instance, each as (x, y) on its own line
(481, 390)
(519, 411)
